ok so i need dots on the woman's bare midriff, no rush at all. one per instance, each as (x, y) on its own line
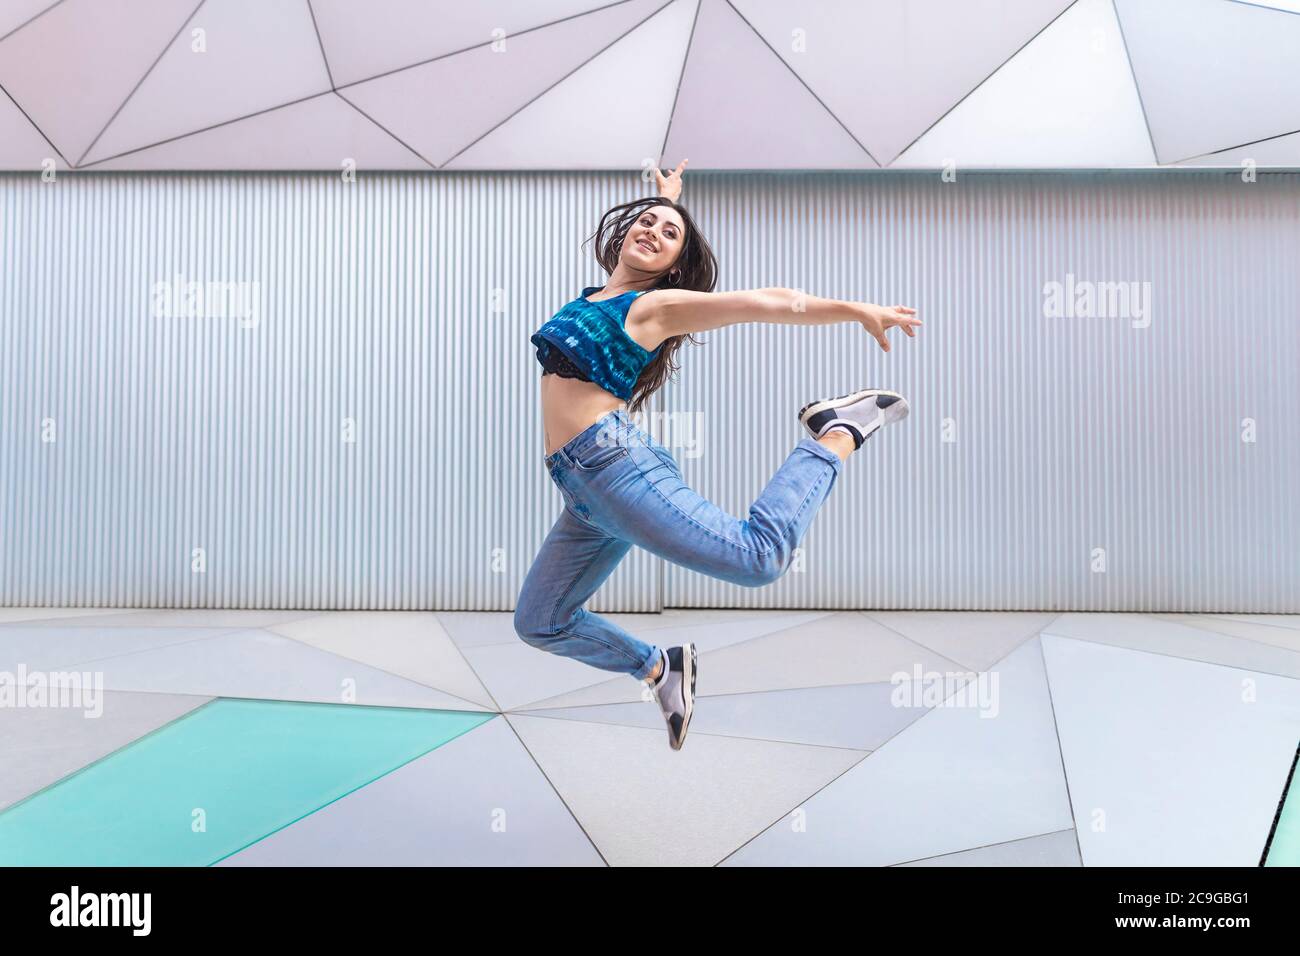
(570, 406)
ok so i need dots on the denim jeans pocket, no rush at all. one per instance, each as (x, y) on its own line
(597, 457)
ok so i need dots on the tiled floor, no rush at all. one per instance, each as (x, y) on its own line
(891, 738)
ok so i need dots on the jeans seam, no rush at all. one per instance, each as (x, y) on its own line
(714, 534)
(572, 634)
(556, 631)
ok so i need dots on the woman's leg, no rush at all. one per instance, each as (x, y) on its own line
(674, 521)
(574, 560)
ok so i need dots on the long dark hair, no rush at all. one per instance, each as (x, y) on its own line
(695, 268)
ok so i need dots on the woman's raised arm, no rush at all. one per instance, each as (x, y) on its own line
(664, 313)
(670, 186)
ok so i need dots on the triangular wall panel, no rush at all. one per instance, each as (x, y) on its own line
(740, 106)
(889, 68)
(318, 133)
(74, 66)
(363, 40)
(442, 107)
(611, 114)
(1067, 99)
(1212, 74)
(256, 56)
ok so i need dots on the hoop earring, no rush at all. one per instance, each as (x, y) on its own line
(674, 280)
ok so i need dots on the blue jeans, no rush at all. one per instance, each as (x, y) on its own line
(621, 488)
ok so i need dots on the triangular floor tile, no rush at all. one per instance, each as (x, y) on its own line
(217, 780)
(1144, 632)
(974, 639)
(210, 618)
(410, 644)
(852, 716)
(42, 647)
(476, 801)
(262, 665)
(1170, 762)
(986, 772)
(1277, 636)
(644, 804)
(34, 615)
(1050, 849)
(39, 746)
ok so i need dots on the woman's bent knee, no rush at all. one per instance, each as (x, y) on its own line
(532, 627)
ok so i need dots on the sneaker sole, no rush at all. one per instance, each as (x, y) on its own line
(812, 408)
(688, 671)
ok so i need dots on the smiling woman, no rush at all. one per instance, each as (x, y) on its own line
(616, 345)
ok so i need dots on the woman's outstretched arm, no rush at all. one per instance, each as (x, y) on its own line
(664, 313)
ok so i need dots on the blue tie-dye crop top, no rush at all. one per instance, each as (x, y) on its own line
(592, 337)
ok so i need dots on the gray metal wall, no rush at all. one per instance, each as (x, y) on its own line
(402, 304)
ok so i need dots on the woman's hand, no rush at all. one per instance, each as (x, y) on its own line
(670, 186)
(877, 318)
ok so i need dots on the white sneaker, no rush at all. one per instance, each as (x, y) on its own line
(861, 413)
(675, 691)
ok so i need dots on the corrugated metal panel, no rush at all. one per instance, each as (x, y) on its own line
(1071, 434)
(377, 305)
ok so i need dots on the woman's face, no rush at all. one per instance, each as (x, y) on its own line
(654, 241)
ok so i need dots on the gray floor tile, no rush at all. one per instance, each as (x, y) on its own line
(853, 716)
(478, 800)
(410, 644)
(1050, 849)
(1171, 762)
(975, 639)
(960, 777)
(845, 648)
(52, 648)
(1145, 632)
(259, 664)
(1274, 635)
(643, 803)
(220, 618)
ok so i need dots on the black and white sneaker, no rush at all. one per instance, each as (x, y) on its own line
(675, 691)
(861, 413)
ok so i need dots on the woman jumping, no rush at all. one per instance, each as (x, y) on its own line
(621, 488)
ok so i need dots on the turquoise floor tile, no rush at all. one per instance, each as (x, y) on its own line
(1284, 847)
(217, 780)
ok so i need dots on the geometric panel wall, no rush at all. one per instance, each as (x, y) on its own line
(581, 84)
